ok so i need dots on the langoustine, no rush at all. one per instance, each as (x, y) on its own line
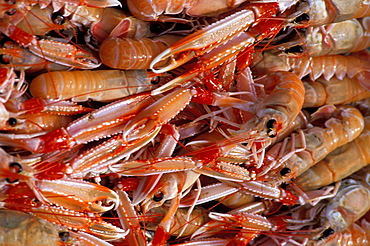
(143, 150)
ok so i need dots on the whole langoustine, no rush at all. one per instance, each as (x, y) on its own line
(97, 85)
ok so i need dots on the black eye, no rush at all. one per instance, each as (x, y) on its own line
(10, 1)
(64, 236)
(294, 49)
(326, 233)
(58, 18)
(155, 81)
(158, 196)
(7, 43)
(284, 186)
(12, 121)
(302, 18)
(36, 201)
(271, 134)
(285, 171)
(14, 167)
(5, 59)
(10, 181)
(11, 12)
(271, 125)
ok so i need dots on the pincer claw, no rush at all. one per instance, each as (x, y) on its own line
(203, 41)
(154, 166)
(156, 115)
(79, 195)
(65, 54)
(172, 58)
(107, 231)
(77, 221)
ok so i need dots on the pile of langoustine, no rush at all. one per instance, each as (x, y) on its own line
(235, 123)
